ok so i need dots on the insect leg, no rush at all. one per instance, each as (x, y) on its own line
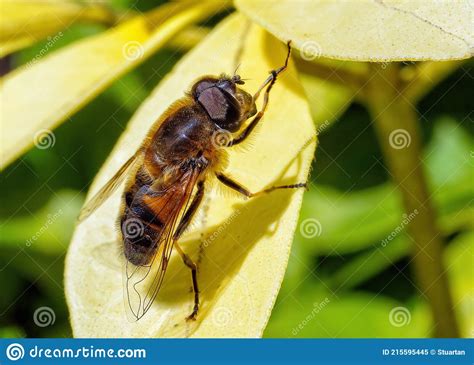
(190, 263)
(190, 212)
(186, 259)
(244, 191)
(246, 132)
(269, 82)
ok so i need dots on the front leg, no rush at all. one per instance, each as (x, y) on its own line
(268, 84)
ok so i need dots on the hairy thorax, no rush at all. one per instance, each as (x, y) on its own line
(186, 135)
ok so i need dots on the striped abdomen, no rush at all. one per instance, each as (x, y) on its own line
(149, 214)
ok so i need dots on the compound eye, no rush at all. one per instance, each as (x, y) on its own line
(203, 85)
(213, 100)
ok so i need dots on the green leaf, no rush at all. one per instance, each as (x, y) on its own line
(47, 230)
(369, 264)
(245, 244)
(352, 221)
(316, 313)
(11, 332)
(449, 154)
(348, 222)
(459, 258)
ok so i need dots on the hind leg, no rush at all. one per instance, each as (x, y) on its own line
(186, 259)
(234, 185)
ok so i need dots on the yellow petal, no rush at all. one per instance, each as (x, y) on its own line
(245, 244)
(23, 23)
(383, 30)
(43, 93)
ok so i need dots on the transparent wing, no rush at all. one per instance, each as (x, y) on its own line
(142, 283)
(104, 193)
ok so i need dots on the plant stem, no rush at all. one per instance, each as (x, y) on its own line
(396, 124)
(422, 77)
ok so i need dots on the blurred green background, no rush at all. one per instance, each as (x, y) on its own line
(340, 283)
